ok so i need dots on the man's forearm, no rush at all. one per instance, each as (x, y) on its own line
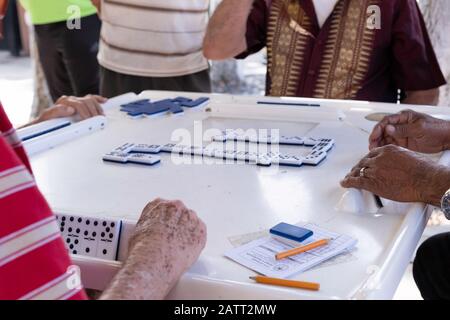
(446, 132)
(225, 36)
(437, 184)
(97, 4)
(146, 275)
(425, 97)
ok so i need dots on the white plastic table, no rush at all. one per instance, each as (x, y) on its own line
(241, 199)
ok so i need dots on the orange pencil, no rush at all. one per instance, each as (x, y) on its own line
(295, 251)
(287, 283)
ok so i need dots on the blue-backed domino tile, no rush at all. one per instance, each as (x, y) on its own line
(135, 108)
(195, 103)
(181, 100)
(145, 107)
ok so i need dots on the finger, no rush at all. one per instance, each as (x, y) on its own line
(179, 204)
(390, 140)
(82, 109)
(376, 137)
(173, 211)
(60, 111)
(169, 210)
(79, 107)
(356, 173)
(375, 153)
(396, 142)
(152, 204)
(186, 216)
(90, 105)
(403, 117)
(367, 162)
(353, 183)
(401, 131)
(98, 98)
(407, 116)
(192, 215)
(356, 183)
(377, 144)
(161, 209)
(150, 210)
(384, 127)
(99, 108)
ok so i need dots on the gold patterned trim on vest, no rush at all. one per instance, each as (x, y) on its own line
(348, 50)
(286, 46)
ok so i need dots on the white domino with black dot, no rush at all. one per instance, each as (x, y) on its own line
(230, 155)
(107, 247)
(198, 151)
(310, 142)
(142, 158)
(217, 153)
(319, 150)
(243, 156)
(220, 138)
(125, 148)
(267, 139)
(115, 156)
(294, 140)
(288, 160)
(315, 158)
(169, 147)
(136, 158)
(324, 145)
(146, 148)
(264, 161)
(231, 135)
(92, 237)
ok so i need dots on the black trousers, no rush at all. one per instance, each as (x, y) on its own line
(432, 268)
(114, 84)
(69, 57)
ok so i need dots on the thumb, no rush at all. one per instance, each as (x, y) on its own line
(400, 131)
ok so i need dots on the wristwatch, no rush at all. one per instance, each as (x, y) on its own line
(445, 204)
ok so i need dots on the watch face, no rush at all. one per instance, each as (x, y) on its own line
(446, 205)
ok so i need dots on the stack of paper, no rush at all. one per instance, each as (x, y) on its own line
(259, 255)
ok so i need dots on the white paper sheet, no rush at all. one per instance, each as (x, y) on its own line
(259, 255)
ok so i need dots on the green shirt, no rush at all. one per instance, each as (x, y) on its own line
(49, 11)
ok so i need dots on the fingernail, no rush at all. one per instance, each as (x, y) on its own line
(70, 110)
(390, 129)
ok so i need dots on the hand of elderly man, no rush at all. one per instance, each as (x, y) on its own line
(67, 106)
(86, 107)
(169, 228)
(398, 174)
(167, 240)
(412, 130)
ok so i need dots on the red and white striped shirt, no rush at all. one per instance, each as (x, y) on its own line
(34, 263)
